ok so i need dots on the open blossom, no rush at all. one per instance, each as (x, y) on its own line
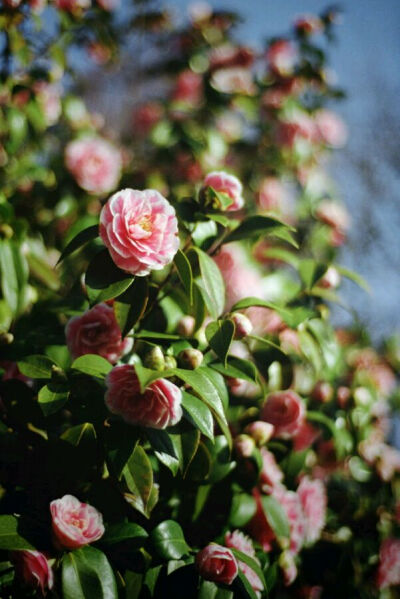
(140, 230)
(313, 499)
(33, 569)
(94, 163)
(286, 411)
(217, 563)
(228, 184)
(389, 564)
(330, 128)
(235, 80)
(271, 475)
(238, 540)
(291, 503)
(75, 523)
(158, 407)
(333, 214)
(282, 57)
(96, 331)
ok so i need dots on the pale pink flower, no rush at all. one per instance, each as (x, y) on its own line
(94, 163)
(313, 499)
(33, 569)
(333, 214)
(238, 540)
(75, 523)
(48, 96)
(96, 331)
(331, 129)
(227, 56)
(264, 320)
(389, 564)
(188, 88)
(299, 127)
(140, 230)
(286, 411)
(388, 462)
(241, 280)
(271, 195)
(217, 563)
(37, 6)
(290, 501)
(235, 80)
(271, 475)
(282, 57)
(158, 407)
(228, 184)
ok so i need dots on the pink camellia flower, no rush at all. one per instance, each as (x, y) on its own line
(72, 5)
(33, 569)
(158, 407)
(333, 214)
(228, 184)
(271, 194)
(389, 564)
(313, 499)
(235, 80)
(227, 56)
(241, 279)
(146, 116)
(217, 563)
(140, 230)
(291, 503)
(48, 96)
(282, 57)
(96, 331)
(188, 88)
(94, 163)
(286, 411)
(75, 523)
(306, 435)
(330, 128)
(238, 540)
(271, 476)
(299, 127)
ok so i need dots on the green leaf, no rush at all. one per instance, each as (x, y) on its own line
(87, 574)
(147, 376)
(10, 537)
(104, 281)
(353, 276)
(36, 367)
(169, 541)
(213, 287)
(138, 475)
(123, 531)
(186, 445)
(251, 562)
(78, 241)
(243, 588)
(164, 449)
(76, 434)
(311, 271)
(237, 368)
(9, 279)
(93, 365)
(131, 305)
(247, 302)
(255, 226)
(216, 200)
(52, 398)
(219, 335)
(185, 273)
(243, 509)
(198, 413)
(276, 516)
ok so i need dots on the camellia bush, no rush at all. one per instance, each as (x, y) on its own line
(179, 417)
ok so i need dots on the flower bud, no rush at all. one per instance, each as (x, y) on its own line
(243, 325)
(154, 359)
(260, 431)
(244, 446)
(343, 396)
(170, 362)
(186, 325)
(323, 392)
(190, 358)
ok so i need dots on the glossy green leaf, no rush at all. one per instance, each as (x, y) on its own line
(185, 273)
(78, 241)
(255, 226)
(9, 279)
(52, 398)
(311, 271)
(164, 449)
(185, 444)
(243, 509)
(36, 366)
(243, 588)
(219, 335)
(124, 531)
(169, 541)
(198, 413)
(212, 284)
(92, 364)
(87, 574)
(138, 475)
(104, 281)
(276, 516)
(237, 368)
(11, 537)
(131, 305)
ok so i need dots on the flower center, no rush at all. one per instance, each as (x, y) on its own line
(145, 224)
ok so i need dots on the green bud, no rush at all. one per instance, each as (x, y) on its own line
(155, 359)
(190, 358)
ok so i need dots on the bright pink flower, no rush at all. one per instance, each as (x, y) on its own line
(188, 88)
(282, 57)
(238, 540)
(158, 407)
(228, 184)
(305, 436)
(33, 569)
(331, 129)
(217, 563)
(286, 411)
(389, 564)
(96, 331)
(291, 503)
(140, 230)
(75, 523)
(94, 163)
(271, 475)
(313, 499)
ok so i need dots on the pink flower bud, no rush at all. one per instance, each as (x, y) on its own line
(217, 563)
(33, 569)
(190, 358)
(158, 407)
(260, 431)
(244, 446)
(186, 326)
(285, 410)
(140, 230)
(243, 325)
(323, 392)
(74, 523)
